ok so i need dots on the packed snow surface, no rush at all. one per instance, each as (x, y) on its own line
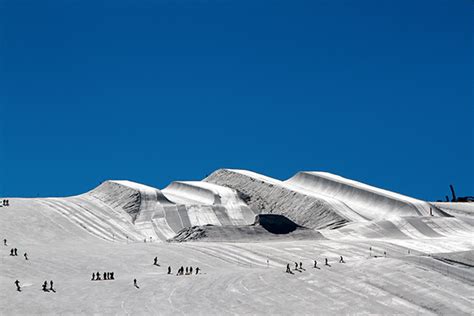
(399, 256)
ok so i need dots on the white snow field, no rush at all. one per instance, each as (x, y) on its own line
(399, 258)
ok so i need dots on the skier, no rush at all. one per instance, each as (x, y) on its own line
(288, 268)
(135, 283)
(187, 272)
(341, 260)
(45, 286)
(12, 252)
(17, 283)
(16, 252)
(169, 270)
(51, 286)
(112, 276)
(191, 270)
(197, 270)
(93, 276)
(301, 265)
(315, 264)
(326, 260)
(155, 261)
(5, 242)
(26, 256)
(385, 254)
(105, 276)
(296, 265)
(97, 276)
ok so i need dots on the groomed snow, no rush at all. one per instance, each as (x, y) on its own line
(236, 277)
(398, 258)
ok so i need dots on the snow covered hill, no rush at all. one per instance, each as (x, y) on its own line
(401, 255)
(125, 210)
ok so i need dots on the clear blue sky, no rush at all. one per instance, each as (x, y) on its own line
(155, 91)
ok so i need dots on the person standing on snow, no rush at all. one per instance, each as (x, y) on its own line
(18, 288)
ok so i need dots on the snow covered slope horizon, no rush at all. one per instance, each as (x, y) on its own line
(125, 210)
(397, 257)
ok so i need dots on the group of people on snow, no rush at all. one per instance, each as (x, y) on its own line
(105, 275)
(299, 267)
(45, 286)
(184, 271)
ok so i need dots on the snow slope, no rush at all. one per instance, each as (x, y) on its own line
(321, 200)
(368, 201)
(125, 210)
(268, 195)
(242, 278)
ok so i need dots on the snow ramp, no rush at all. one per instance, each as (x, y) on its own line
(120, 210)
(370, 202)
(268, 195)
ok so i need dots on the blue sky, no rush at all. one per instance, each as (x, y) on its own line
(155, 91)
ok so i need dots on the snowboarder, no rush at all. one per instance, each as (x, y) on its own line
(315, 264)
(169, 270)
(26, 256)
(97, 276)
(288, 268)
(135, 283)
(197, 270)
(341, 260)
(45, 286)
(17, 283)
(93, 276)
